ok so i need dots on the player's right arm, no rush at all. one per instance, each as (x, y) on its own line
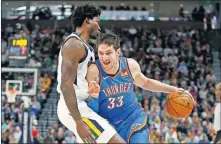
(147, 83)
(72, 52)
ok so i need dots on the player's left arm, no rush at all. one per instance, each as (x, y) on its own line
(92, 78)
(148, 83)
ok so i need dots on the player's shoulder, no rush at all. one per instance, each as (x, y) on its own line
(132, 64)
(93, 68)
(74, 48)
(73, 42)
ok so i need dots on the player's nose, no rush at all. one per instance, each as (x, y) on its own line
(104, 58)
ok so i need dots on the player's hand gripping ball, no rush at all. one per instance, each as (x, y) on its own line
(93, 89)
(179, 104)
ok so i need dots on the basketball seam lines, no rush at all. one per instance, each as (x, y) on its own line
(173, 108)
(179, 94)
(181, 104)
(178, 97)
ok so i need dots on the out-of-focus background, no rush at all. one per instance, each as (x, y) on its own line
(176, 42)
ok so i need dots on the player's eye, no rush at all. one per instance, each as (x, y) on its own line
(108, 53)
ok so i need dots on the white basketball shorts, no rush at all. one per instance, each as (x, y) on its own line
(101, 130)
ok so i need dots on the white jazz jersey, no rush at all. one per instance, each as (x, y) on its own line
(80, 84)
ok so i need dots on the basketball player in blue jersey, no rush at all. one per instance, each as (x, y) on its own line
(116, 102)
(74, 56)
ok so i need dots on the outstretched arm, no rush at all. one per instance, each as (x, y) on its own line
(148, 83)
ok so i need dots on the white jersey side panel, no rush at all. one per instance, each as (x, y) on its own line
(81, 86)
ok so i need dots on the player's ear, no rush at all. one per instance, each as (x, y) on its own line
(118, 52)
(88, 21)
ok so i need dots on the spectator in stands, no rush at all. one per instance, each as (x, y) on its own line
(60, 138)
(17, 133)
(210, 77)
(33, 62)
(182, 68)
(173, 60)
(12, 138)
(36, 106)
(48, 139)
(54, 66)
(7, 115)
(201, 13)
(181, 12)
(20, 112)
(203, 92)
(35, 135)
(194, 14)
(62, 10)
(5, 139)
(40, 80)
(70, 138)
(4, 125)
(46, 83)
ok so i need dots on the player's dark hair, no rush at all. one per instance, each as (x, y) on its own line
(110, 39)
(83, 12)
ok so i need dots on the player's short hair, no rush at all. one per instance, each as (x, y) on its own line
(110, 39)
(83, 12)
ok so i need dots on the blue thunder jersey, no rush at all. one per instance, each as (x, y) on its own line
(117, 100)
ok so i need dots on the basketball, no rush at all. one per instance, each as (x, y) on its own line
(179, 105)
(93, 89)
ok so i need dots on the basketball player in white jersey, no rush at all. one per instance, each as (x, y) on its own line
(217, 114)
(74, 57)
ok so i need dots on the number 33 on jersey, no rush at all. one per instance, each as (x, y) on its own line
(115, 102)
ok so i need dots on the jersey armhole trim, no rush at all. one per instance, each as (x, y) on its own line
(86, 50)
(100, 74)
(128, 69)
(86, 53)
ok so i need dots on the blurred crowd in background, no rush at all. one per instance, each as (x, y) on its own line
(179, 57)
(197, 14)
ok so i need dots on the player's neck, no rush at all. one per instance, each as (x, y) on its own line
(83, 34)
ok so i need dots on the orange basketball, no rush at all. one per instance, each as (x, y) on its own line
(179, 105)
(93, 89)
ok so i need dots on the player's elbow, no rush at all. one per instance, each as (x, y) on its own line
(147, 83)
(63, 87)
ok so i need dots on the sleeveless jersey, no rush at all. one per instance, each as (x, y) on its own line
(117, 100)
(80, 84)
